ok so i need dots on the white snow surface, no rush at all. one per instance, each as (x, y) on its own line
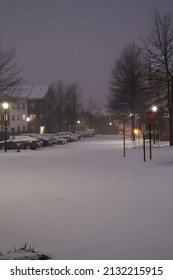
(84, 200)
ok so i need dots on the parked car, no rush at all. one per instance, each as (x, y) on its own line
(71, 137)
(10, 145)
(43, 140)
(74, 136)
(47, 137)
(64, 135)
(86, 133)
(60, 140)
(20, 142)
(26, 142)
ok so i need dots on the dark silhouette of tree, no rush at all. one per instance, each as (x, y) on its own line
(128, 83)
(72, 105)
(92, 110)
(10, 76)
(68, 104)
(59, 88)
(159, 50)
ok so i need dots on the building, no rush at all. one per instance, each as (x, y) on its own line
(30, 111)
(41, 103)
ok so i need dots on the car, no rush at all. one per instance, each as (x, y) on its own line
(71, 137)
(64, 135)
(17, 143)
(60, 140)
(26, 142)
(74, 136)
(9, 145)
(86, 133)
(43, 140)
(47, 137)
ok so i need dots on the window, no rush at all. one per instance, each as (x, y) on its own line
(23, 117)
(18, 117)
(32, 105)
(32, 117)
(24, 128)
(13, 117)
(18, 129)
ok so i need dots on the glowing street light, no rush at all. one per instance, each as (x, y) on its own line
(154, 109)
(5, 106)
(28, 120)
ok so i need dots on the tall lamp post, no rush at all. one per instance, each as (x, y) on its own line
(5, 106)
(110, 124)
(28, 120)
(154, 109)
(78, 125)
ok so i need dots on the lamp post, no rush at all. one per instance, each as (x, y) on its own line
(78, 125)
(110, 124)
(28, 120)
(154, 109)
(5, 106)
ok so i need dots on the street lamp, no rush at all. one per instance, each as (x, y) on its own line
(78, 124)
(5, 106)
(28, 120)
(154, 109)
(110, 124)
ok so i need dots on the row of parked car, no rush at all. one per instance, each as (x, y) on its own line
(34, 141)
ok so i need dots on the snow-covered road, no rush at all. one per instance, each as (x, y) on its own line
(84, 200)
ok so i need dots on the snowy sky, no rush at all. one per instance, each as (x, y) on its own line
(74, 40)
(84, 200)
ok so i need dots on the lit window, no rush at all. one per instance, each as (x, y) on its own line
(32, 117)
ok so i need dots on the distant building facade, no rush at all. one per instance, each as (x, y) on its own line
(30, 111)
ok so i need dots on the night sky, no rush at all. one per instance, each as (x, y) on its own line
(74, 40)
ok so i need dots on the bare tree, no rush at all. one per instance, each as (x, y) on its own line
(159, 49)
(68, 104)
(59, 88)
(72, 105)
(128, 83)
(92, 110)
(10, 76)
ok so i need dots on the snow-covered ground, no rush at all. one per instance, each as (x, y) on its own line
(84, 200)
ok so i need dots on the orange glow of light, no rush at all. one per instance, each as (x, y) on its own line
(136, 131)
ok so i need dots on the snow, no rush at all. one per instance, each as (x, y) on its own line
(33, 92)
(84, 200)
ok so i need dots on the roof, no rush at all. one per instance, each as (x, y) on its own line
(34, 92)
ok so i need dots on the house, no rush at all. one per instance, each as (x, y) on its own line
(41, 103)
(30, 111)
